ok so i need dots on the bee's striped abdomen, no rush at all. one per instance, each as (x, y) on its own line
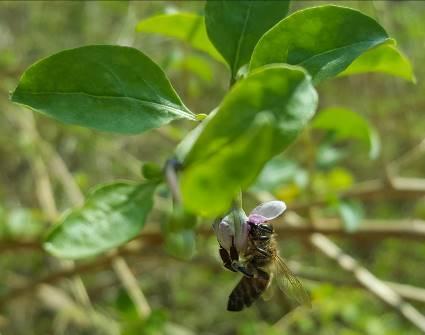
(247, 291)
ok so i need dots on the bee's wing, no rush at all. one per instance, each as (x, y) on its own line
(289, 284)
(270, 289)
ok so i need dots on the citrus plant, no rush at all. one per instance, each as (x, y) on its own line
(275, 64)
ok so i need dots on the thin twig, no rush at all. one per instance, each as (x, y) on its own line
(411, 155)
(45, 195)
(76, 197)
(372, 229)
(315, 274)
(368, 280)
(132, 286)
(399, 188)
(171, 167)
(368, 229)
(78, 269)
(364, 277)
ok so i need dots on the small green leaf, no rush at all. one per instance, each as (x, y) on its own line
(328, 155)
(351, 213)
(384, 58)
(187, 27)
(201, 116)
(104, 87)
(112, 215)
(346, 124)
(182, 244)
(199, 66)
(152, 171)
(276, 172)
(324, 40)
(258, 118)
(180, 239)
(179, 220)
(234, 27)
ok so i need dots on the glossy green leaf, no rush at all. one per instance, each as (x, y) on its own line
(259, 117)
(111, 215)
(385, 58)
(235, 27)
(209, 186)
(108, 88)
(324, 40)
(187, 27)
(346, 124)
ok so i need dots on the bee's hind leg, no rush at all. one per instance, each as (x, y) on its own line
(226, 258)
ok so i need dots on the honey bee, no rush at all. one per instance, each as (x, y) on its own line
(256, 256)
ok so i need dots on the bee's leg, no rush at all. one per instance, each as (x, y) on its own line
(243, 269)
(225, 257)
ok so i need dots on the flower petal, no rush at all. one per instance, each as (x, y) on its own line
(269, 210)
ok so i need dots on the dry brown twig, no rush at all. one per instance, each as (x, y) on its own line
(381, 290)
(78, 269)
(398, 188)
(369, 229)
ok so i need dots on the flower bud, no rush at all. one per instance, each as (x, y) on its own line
(233, 227)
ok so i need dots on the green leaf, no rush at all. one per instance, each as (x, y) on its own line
(181, 245)
(351, 213)
(111, 215)
(275, 173)
(385, 58)
(180, 238)
(234, 27)
(208, 187)
(258, 118)
(328, 155)
(346, 124)
(104, 87)
(187, 27)
(196, 65)
(324, 40)
(152, 171)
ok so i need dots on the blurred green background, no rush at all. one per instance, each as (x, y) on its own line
(189, 296)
